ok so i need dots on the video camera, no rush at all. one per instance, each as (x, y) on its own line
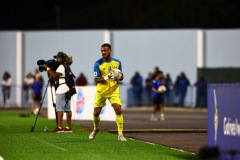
(52, 64)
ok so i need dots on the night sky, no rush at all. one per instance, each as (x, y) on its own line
(119, 14)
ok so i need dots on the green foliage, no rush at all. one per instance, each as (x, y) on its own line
(17, 142)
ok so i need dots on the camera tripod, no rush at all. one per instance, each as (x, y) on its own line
(50, 81)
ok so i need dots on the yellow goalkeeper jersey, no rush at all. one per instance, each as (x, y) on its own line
(101, 69)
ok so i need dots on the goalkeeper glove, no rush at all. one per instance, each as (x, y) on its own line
(109, 76)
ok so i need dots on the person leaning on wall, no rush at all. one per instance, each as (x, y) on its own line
(6, 88)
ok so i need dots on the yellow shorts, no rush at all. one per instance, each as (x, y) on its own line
(114, 97)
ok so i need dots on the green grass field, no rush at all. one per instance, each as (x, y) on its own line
(17, 142)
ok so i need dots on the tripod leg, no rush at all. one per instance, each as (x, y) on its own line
(32, 129)
(54, 105)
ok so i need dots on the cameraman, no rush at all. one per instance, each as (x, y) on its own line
(62, 104)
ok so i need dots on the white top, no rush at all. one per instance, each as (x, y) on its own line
(28, 81)
(7, 82)
(63, 88)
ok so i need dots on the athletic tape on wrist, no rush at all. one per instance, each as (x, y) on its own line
(105, 78)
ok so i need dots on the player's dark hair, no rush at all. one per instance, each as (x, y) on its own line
(106, 45)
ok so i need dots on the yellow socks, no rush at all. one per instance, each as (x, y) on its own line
(96, 121)
(119, 122)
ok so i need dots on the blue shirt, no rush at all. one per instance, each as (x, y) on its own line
(182, 83)
(156, 84)
(148, 81)
(37, 88)
(201, 87)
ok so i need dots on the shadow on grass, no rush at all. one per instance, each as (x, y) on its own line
(184, 156)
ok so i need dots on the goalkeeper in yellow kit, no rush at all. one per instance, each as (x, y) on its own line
(107, 88)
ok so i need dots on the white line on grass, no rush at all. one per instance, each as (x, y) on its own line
(163, 146)
(1, 124)
(182, 151)
(62, 149)
(1, 158)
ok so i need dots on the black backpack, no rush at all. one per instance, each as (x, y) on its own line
(69, 80)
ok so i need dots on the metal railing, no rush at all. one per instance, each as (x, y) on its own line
(172, 100)
(125, 93)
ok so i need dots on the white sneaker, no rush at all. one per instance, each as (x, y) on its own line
(121, 137)
(35, 111)
(7, 103)
(162, 117)
(153, 118)
(93, 134)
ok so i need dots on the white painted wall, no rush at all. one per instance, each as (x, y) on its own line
(172, 51)
(223, 48)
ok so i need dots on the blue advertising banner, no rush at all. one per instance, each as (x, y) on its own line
(224, 119)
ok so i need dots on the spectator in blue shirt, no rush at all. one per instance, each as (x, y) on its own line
(37, 88)
(181, 85)
(148, 88)
(168, 93)
(137, 88)
(201, 86)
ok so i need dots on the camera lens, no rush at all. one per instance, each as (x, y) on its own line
(41, 69)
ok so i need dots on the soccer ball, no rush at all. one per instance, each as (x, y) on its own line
(162, 89)
(116, 74)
